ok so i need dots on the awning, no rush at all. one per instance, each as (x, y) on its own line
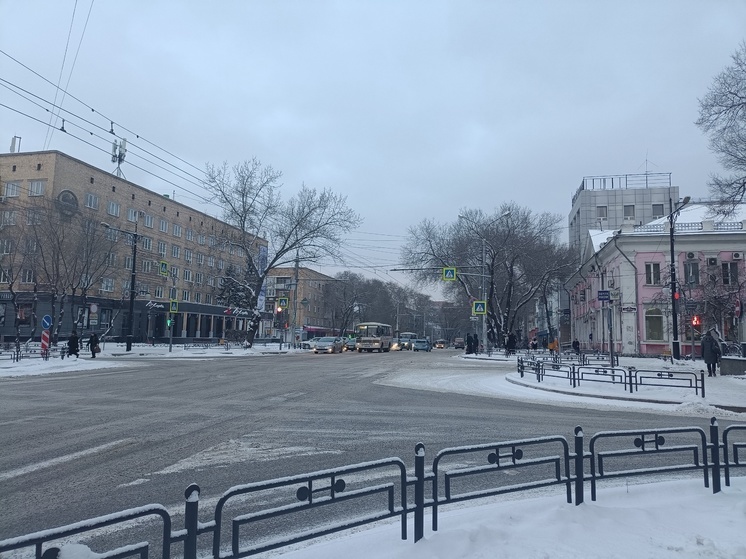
(315, 329)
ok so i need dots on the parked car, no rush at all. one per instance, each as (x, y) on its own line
(458, 343)
(349, 344)
(328, 344)
(441, 344)
(396, 345)
(421, 345)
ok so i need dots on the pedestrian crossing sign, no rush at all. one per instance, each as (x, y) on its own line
(479, 307)
(163, 268)
(282, 302)
(174, 306)
(449, 274)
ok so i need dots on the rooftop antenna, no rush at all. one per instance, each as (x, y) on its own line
(118, 153)
(646, 167)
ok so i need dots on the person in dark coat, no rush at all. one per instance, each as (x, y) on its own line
(93, 344)
(710, 353)
(576, 346)
(511, 344)
(475, 341)
(73, 345)
(469, 344)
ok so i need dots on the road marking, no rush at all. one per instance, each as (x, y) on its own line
(61, 459)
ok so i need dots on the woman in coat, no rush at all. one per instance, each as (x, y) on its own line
(73, 347)
(710, 352)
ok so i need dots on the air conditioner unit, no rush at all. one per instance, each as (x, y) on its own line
(691, 255)
(737, 256)
(712, 261)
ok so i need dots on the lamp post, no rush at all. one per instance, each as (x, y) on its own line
(133, 277)
(675, 347)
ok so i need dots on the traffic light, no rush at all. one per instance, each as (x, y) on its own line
(168, 322)
(696, 320)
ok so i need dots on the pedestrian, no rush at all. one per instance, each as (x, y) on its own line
(576, 346)
(710, 353)
(469, 344)
(93, 344)
(73, 346)
(534, 344)
(510, 346)
(475, 341)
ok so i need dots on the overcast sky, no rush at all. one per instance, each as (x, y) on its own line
(413, 109)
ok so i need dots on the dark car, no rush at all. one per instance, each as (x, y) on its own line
(458, 343)
(349, 344)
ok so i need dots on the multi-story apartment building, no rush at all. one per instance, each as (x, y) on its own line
(67, 229)
(307, 309)
(608, 202)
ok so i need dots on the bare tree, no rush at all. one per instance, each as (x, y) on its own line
(269, 232)
(722, 116)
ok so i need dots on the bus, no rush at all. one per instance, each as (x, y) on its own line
(406, 339)
(373, 335)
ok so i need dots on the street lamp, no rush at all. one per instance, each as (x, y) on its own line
(675, 347)
(134, 237)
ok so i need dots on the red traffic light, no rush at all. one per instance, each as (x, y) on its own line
(696, 321)
(676, 295)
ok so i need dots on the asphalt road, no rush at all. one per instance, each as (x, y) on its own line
(78, 445)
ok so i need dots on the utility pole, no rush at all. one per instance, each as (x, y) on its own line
(295, 300)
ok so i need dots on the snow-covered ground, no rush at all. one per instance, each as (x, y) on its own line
(641, 520)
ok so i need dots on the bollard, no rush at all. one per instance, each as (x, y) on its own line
(419, 491)
(191, 509)
(715, 454)
(579, 475)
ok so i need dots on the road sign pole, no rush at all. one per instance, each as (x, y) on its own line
(170, 333)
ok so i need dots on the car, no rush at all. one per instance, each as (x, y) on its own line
(396, 345)
(349, 344)
(458, 343)
(421, 345)
(328, 344)
(309, 344)
(441, 344)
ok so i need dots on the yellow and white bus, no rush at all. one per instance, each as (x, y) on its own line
(373, 335)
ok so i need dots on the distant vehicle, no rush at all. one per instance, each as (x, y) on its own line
(421, 345)
(406, 339)
(349, 344)
(396, 345)
(309, 344)
(441, 344)
(328, 344)
(458, 343)
(373, 336)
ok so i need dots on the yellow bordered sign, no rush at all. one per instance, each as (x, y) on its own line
(479, 307)
(449, 274)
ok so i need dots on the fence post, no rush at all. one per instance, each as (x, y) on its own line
(629, 372)
(702, 382)
(191, 520)
(579, 475)
(419, 491)
(715, 454)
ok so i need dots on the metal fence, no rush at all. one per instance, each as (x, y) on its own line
(457, 474)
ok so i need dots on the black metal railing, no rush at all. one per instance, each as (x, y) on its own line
(458, 474)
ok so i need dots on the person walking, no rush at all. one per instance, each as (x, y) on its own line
(576, 346)
(475, 341)
(710, 353)
(93, 344)
(73, 345)
(469, 344)
(510, 346)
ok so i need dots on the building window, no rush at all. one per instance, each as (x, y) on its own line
(211, 261)
(113, 209)
(213, 241)
(208, 299)
(159, 292)
(111, 259)
(730, 273)
(33, 217)
(4, 278)
(691, 273)
(107, 285)
(201, 239)
(188, 255)
(127, 262)
(652, 273)
(8, 218)
(148, 220)
(198, 297)
(629, 212)
(189, 235)
(163, 227)
(12, 189)
(185, 295)
(91, 201)
(200, 259)
(187, 275)
(198, 278)
(175, 251)
(162, 249)
(36, 188)
(112, 235)
(221, 264)
(27, 275)
(654, 325)
(657, 211)
(211, 281)
(131, 214)
(5, 246)
(30, 245)
(601, 212)
(147, 266)
(177, 230)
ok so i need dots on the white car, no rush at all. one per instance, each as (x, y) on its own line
(328, 344)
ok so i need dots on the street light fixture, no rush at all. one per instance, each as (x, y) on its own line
(134, 237)
(675, 346)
